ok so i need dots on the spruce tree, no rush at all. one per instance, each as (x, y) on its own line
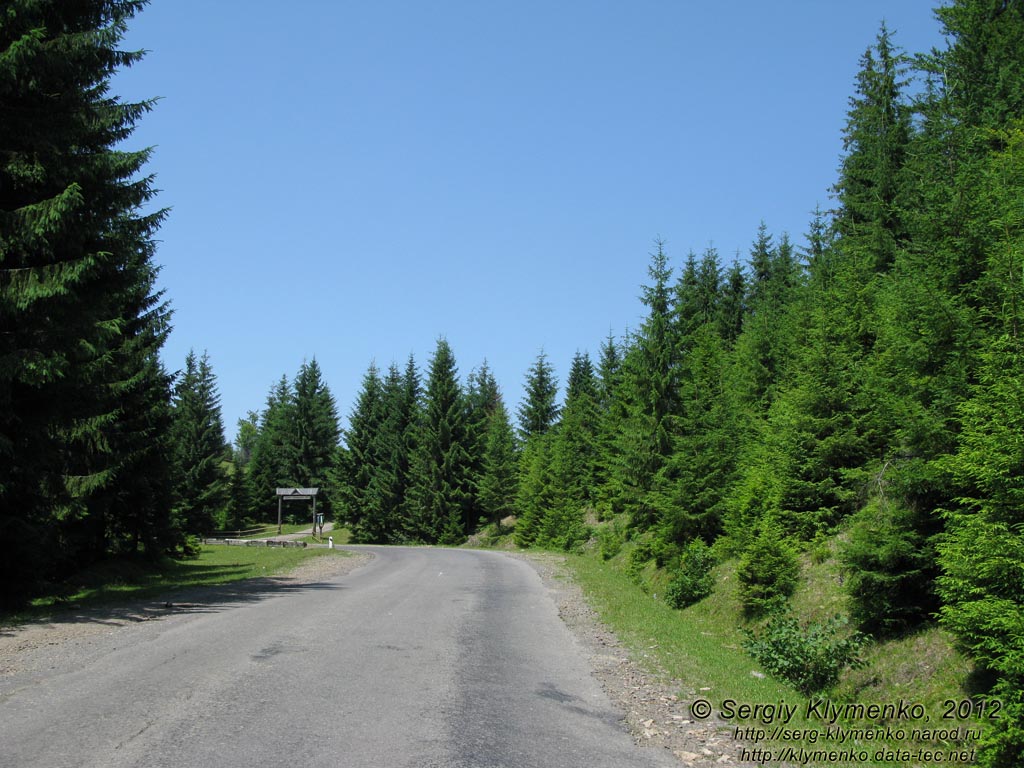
(732, 307)
(316, 433)
(538, 411)
(273, 452)
(409, 422)
(875, 141)
(535, 499)
(497, 484)
(239, 502)
(442, 494)
(650, 395)
(687, 492)
(574, 460)
(394, 443)
(482, 400)
(764, 347)
(981, 556)
(611, 418)
(359, 464)
(576, 450)
(201, 484)
(82, 394)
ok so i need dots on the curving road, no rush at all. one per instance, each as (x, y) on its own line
(424, 657)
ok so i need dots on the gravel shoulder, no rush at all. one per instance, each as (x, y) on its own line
(655, 706)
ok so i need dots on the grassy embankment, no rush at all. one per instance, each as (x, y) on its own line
(703, 646)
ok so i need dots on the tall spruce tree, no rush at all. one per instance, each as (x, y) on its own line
(138, 510)
(981, 554)
(688, 490)
(239, 501)
(574, 460)
(482, 400)
(538, 411)
(316, 433)
(535, 499)
(611, 417)
(201, 484)
(733, 304)
(441, 494)
(81, 391)
(875, 141)
(410, 419)
(650, 395)
(396, 440)
(273, 451)
(360, 463)
(497, 485)
(764, 346)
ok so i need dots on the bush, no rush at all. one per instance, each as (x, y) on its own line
(890, 567)
(768, 572)
(641, 555)
(693, 581)
(609, 541)
(811, 657)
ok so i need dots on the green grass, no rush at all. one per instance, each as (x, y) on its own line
(703, 646)
(700, 645)
(119, 581)
(340, 536)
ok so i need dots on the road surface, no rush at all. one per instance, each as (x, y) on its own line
(424, 657)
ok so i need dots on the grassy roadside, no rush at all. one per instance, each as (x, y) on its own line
(340, 536)
(124, 580)
(702, 645)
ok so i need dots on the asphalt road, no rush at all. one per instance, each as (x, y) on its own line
(424, 657)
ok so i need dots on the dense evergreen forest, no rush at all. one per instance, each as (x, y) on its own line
(867, 384)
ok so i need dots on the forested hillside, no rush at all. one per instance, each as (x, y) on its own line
(866, 383)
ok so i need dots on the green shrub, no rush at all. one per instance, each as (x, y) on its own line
(693, 581)
(810, 657)
(890, 570)
(768, 572)
(819, 549)
(641, 555)
(666, 552)
(609, 540)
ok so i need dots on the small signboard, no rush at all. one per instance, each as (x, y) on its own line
(295, 494)
(298, 494)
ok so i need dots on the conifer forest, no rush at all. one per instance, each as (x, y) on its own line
(867, 387)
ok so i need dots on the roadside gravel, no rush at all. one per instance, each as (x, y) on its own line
(655, 707)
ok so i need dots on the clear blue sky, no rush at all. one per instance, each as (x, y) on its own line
(353, 180)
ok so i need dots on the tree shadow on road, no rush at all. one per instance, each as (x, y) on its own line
(173, 600)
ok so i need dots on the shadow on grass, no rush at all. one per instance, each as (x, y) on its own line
(137, 603)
